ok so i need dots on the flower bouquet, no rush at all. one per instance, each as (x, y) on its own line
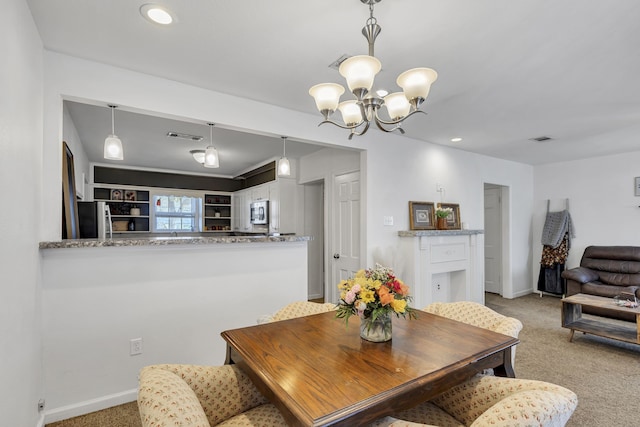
(373, 295)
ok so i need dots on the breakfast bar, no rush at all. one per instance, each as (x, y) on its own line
(175, 294)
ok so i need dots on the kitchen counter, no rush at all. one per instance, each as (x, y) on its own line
(169, 240)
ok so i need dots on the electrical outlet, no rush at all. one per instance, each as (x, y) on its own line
(135, 346)
(439, 187)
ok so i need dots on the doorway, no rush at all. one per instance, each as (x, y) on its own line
(495, 234)
(314, 227)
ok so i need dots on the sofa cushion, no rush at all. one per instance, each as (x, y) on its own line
(263, 416)
(615, 265)
(610, 291)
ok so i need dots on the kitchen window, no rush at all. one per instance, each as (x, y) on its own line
(176, 212)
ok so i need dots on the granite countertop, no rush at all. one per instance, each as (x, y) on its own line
(420, 233)
(165, 241)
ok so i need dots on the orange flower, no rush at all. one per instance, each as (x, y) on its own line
(385, 296)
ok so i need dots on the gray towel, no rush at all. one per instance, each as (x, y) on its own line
(556, 226)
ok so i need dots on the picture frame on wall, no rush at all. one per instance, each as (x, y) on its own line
(422, 216)
(130, 195)
(117, 195)
(453, 220)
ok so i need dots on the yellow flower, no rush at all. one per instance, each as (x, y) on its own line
(359, 274)
(367, 296)
(344, 284)
(398, 305)
(376, 284)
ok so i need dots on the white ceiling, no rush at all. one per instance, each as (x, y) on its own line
(508, 70)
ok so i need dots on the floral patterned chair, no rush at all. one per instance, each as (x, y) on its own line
(473, 313)
(492, 401)
(298, 309)
(202, 396)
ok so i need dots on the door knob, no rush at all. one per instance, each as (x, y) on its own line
(336, 256)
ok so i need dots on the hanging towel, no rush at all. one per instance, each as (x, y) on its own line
(556, 226)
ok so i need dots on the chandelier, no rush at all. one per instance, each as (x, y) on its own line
(359, 72)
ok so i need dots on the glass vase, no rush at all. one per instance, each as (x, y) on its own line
(378, 330)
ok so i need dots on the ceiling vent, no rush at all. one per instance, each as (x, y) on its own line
(186, 136)
(541, 139)
(336, 64)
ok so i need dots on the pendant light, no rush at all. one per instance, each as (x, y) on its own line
(211, 159)
(284, 168)
(112, 144)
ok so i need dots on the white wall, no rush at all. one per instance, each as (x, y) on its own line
(80, 161)
(602, 203)
(20, 185)
(177, 298)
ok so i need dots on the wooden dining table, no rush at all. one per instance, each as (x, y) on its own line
(318, 371)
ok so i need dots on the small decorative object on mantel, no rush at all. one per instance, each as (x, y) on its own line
(373, 295)
(451, 214)
(441, 215)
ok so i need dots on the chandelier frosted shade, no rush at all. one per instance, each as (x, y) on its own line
(416, 83)
(351, 112)
(360, 71)
(113, 148)
(326, 96)
(397, 105)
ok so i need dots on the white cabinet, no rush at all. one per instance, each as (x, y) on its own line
(284, 206)
(241, 219)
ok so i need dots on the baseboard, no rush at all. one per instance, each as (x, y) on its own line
(88, 406)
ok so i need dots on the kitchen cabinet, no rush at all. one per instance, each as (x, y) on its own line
(129, 207)
(283, 206)
(217, 212)
(241, 219)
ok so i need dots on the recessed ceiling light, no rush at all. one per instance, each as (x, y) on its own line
(456, 139)
(156, 13)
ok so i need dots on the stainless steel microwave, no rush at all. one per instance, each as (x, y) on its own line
(260, 212)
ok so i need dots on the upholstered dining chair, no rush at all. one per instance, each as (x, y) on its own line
(476, 314)
(492, 401)
(202, 396)
(298, 309)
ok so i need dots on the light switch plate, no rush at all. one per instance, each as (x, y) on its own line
(387, 220)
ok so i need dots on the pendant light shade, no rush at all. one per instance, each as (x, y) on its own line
(284, 168)
(211, 158)
(112, 144)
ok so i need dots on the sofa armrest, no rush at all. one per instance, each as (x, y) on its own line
(581, 275)
(223, 391)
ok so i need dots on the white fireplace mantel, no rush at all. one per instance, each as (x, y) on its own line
(443, 266)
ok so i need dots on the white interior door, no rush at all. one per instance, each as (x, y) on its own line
(492, 240)
(345, 245)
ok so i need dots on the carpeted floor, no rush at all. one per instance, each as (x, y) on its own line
(604, 373)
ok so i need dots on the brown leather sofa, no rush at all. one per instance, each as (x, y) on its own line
(606, 271)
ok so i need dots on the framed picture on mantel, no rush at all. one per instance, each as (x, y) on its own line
(422, 216)
(453, 220)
